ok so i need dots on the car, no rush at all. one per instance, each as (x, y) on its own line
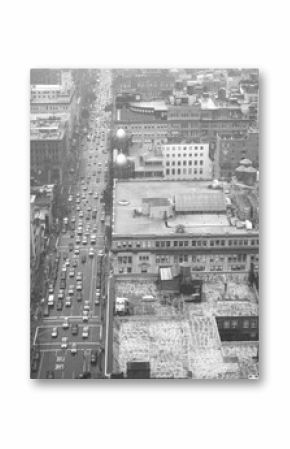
(81, 214)
(71, 246)
(78, 208)
(84, 241)
(79, 276)
(79, 286)
(85, 315)
(71, 273)
(97, 300)
(91, 253)
(54, 332)
(72, 235)
(65, 324)
(85, 333)
(68, 301)
(79, 296)
(59, 305)
(73, 219)
(75, 263)
(94, 357)
(64, 341)
(50, 300)
(78, 240)
(60, 295)
(101, 252)
(86, 305)
(73, 349)
(74, 329)
(84, 259)
(77, 251)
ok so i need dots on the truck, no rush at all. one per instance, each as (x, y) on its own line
(121, 306)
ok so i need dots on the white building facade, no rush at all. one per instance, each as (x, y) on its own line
(187, 161)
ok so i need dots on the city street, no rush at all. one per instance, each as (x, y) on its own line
(71, 330)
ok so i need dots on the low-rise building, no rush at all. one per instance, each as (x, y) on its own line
(230, 149)
(162, 224)
(144, 122)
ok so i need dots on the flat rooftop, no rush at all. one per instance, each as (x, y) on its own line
(178, 340)
(47, 129)
(134, 192)
(125, 115)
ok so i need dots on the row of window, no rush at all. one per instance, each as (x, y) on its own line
(179, 148)
(215, 261)
(187, 243)
(184, 163)
(234, 324)
(185, 171)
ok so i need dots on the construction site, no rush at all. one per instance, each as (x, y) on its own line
(181, 339)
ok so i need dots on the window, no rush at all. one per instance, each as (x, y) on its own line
(180, 243)
(201, 171)
(234, 324)
(178, 171)
(200, 162)
(129, 259)
(162, 244)
(186, 243)
(184, 162)
(246, 324)
(253, 324)
(175, 243)
(193, 243)
(167, 243)
(157, 244)
(226, 324)
(168, 171)
(211, 243)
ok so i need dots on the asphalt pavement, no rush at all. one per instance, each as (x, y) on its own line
(55, 356)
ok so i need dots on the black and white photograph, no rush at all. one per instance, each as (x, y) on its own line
(144, 223)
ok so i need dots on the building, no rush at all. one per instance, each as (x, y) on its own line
(231, 149)
(45, 76)
(37, 234)
(56, 98)
(144, 122)
(187, 162)
(163, 224)
(43, 204)
(204, 120)
(48, 149)
(149, 83)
